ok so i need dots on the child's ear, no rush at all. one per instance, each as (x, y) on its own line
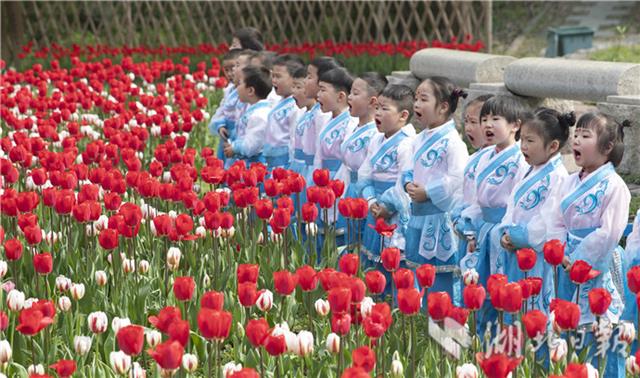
(251, 91)
(554, 146)
(342, 96)
(404, 116)
(443, 107)
(373, 101)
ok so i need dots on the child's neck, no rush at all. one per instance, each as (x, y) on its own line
(284, 95)
(437, 124)
(339, 110)
(589, 169)
(393, 132)
(366, 119)
(253, 100)
(506, 144)
(310, 103)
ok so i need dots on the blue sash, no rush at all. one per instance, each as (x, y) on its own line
(587, 185)
(334, 123)
(504, 156)
(280, 106)
(394, 141)
(359, 131)
(527, 184)
(298, 154)
(444, 130)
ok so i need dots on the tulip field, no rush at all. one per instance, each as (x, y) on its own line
(129, 251)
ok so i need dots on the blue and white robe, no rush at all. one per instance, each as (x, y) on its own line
(590, 215)
(525, 223)
(354, 151)
(225, 116)
(438, 160)
(251, 128)
(282, 118)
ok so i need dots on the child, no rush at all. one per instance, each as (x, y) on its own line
(475, 137)
(497, 173)
(247, 38)
(265, 59)
(378, 175)
(433, 180)
(591, 212)
(542, 137)
(632, 258)
(225, 115)
(254, 85)
(334, 87)
(285, 113)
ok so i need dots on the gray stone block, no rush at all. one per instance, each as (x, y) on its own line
(620, 111)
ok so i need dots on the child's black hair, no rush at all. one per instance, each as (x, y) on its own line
(376, 82)
(324, 64)
(266, 58)
(610, 133)
(231, 54)
(250, 38)
(291, 62)
(401, 95)
(445, 91)
(509, 107)
(258, 78)
(300, 73)
(551, 125)
(339, 78)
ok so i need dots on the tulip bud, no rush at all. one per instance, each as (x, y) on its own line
(143, 266)
(631, 366)
(137, 371)
(29, 302)
(64, 303)
(239, 330)
(128, 265)
(397, 371)
(120, 362)
(98, 322)
(15, 300)
(153, 338)
(118, 323)
(63, 283)
(201, 231)
(5, 352)
(305, 343)
(228, 233)
(35, 369)
(3, 269)
(322, 307)
(333, 343)
(189, 362)
(558, 349)
(173, 258)
(275, 237)
(365, 306)
(101, 277)
(467, 371)
(77, 291)
(470, 276)
(230, 368)
(311, 228)
(265, 300)
(206, 280)
(7, 286)
(627, 332)
(81, 344)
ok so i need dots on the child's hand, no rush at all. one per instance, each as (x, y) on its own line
(471, 245)
(416, 192)
(373, 209)
(506, 243)
(383, 212)
(228, 150)
(224, 133)
(566, 263)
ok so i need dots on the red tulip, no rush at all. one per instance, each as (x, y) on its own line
(213, 300)
(179, 331)
(459, 315)
(364, 357)
(247, 293)
(165, 317)
(257, 331)
(321, 177)
(403, 278)
(64, 368)
(13, 249)
(567, 314)
(280, 220)
(510, 297)
(576, 370)
(409, 301)
(390, 258)
(247, 273)
(340, 299)
(184, 224)
(309, 212)
(582, 272)
(349, 263)
(599, 301)
(284, 282)
(526, 259)
(384, 229)
(4, 320)
(553, 251)
(108, 238)
(375, 281)
(497, 365)
(340, 323)
(359, 208)
(307, 278)
(33, 234)
(271, 188)
(275, 345)
(426, 275)
(326, 198)
(168, 354)
(131, 339)
(214, 324)
(526, 287)
(344, 207)
(355, 372)
(244, 372)
(32, 320)
(535, 322)
(43, 263)
(264, 208)
(536, 285)
(376, 324)
(183, 288)
(337, 186)
(633, 279)
(439, 305)
(357, 288)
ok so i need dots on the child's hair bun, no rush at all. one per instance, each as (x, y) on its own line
(567, 119)
(626, 123)
(459, 92)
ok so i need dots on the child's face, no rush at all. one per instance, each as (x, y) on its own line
(243, 91)
(299, 93)
(241, 62)
(498, 131)
(282, 81)
(311, 82)
(586, 151)
(227, 67)
(426, 108)
(533, 148)
(387, 116)
(472, 128)
(359, 99)
(328, 97)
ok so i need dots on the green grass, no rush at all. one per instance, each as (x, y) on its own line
(618, 53)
